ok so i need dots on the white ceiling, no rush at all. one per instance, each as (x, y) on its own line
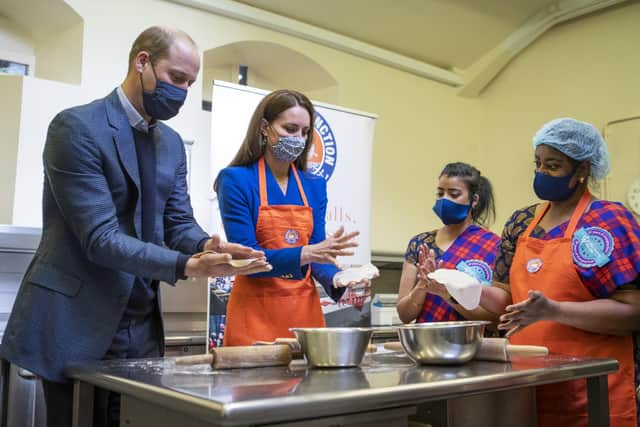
(450, 34)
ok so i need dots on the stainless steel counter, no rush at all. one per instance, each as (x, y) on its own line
(157, 389)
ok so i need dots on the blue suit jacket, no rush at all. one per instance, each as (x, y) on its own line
(75, 290)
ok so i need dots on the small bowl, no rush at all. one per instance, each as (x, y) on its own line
(442, 343)
(333, 347)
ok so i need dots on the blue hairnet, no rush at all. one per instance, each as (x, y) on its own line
(577, 140)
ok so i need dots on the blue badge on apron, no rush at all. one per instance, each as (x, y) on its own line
(592, 247)
(478, 269)
(534, 265)
(291, 236)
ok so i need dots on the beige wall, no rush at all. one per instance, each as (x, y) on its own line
(35, 117)
(15, 45)
(11, 89)
(586, 68)
(60, 55)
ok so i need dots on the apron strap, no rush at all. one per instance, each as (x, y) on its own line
(577, 214)
(262, 176)
(300, 189)
(583, 203)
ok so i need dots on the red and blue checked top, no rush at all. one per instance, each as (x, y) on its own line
(622, 270)
(624, 266)
(474, 243)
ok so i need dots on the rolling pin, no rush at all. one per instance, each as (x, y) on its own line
(500, 350)
(494, 349)
(292, 343)
(265, 353)
(296, 349)
(241, 357)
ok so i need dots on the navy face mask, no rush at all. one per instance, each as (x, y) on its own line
(451, 212)
(553, 188)
(165, 101)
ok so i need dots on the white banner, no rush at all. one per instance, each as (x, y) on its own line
(341, 153)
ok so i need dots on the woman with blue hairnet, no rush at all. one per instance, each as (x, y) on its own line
(569, 273)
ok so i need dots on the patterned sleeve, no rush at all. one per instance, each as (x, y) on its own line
(514, 226)
(624, 266)
(428, 238)
(411, 255)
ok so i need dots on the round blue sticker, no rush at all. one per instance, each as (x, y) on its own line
(478, 269)
(592, 247)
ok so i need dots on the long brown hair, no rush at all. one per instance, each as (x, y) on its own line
(269, 109)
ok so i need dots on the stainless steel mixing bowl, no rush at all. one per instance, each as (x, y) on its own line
(333, 347)
(442, 343)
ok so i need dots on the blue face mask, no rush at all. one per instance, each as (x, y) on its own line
(289, 148)
(165, 101)
(451, 212)
(553, 188)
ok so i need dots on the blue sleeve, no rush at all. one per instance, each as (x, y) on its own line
(237, 213)
(323, 273)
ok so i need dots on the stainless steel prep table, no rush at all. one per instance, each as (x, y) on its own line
(384, 390)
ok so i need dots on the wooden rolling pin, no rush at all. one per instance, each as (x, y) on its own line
(499, 349)
(296, 349)
(241, 357)
(273, 353)
(494, 349)
(292, 343)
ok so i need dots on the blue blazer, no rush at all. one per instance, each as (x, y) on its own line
(76, 289)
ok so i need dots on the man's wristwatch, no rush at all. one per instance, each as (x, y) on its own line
(452, 300)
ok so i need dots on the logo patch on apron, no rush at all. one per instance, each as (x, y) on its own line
(534, 265)
(291, 236)
(478, 269)
(592, 247)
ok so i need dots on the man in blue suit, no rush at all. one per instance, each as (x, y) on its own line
(117, 219)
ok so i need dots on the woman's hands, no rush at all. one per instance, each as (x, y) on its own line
(329, 249)
(536, 307)
(427, 264)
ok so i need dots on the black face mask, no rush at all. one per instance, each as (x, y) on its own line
(165, 101)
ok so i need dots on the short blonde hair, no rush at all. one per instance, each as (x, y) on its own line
(156, 40)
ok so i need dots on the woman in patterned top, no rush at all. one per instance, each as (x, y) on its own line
(465, 198)
(569, 272)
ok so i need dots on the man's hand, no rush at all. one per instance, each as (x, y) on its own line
(214, 265)
(216, 262)
(216, 244)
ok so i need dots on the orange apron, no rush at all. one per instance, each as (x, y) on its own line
(263, 309)
(554, 273)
